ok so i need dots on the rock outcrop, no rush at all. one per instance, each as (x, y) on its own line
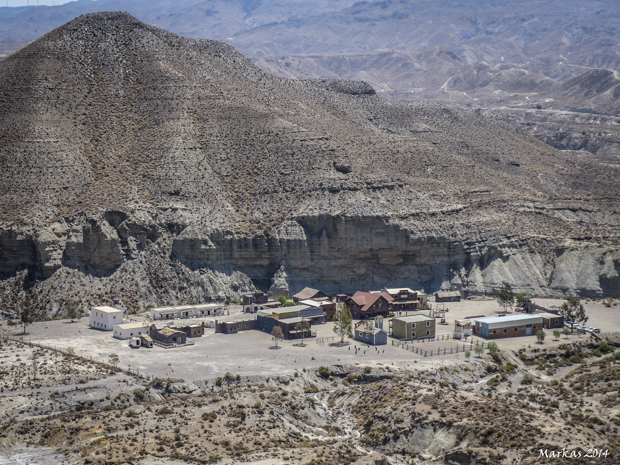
(145, 168)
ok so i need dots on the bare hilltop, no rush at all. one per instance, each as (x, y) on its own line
(143, 167)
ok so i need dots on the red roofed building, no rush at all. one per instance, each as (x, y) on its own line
(368, 304)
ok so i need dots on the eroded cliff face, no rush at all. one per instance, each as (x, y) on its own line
(132, 262)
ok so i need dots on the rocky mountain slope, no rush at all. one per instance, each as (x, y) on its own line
(143, 167)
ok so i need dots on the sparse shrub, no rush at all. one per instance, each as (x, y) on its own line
(139, 395)
(367, 369)
(324, 372)
(527, 379)
(311, 389)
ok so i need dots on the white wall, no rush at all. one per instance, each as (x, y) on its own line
(122, 333)
(105, 320)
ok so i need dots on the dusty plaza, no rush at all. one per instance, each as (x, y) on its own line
(252, 353)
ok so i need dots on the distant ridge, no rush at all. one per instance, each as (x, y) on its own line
(143, 167)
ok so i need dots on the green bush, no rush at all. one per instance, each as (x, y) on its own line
(605, 348)
(324, 372)
(367, 369)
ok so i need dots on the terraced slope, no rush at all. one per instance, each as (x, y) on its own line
(143, 167)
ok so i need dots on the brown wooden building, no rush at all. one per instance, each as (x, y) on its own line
(368, 304)
(448, 296)
(168, 335)
(309, 293)
(193, 330)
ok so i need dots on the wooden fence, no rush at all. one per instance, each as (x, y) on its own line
(423, 349)
(14, 338)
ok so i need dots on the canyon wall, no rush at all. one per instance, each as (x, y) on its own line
(132, 264)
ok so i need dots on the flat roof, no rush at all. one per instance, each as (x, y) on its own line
(547, 315)
(397, 290)
(132, 326)
(106, 309)
(509, 320)
(296, 319)
(292, 309)
(186, 307)
(413, 318)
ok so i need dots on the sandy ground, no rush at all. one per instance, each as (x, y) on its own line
(251, 352)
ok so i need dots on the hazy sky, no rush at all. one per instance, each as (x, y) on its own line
(31, 2)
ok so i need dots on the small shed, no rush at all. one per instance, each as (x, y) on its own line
(448, 296)
(462, 328)
(230, 327)
(168, 335)
(551, 320)
(371, 333)
(129, 330)
(193, 330)
(309, 293)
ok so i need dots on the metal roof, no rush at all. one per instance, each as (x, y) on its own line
(510, 320)
(289, 321)
(443, 294)
(132, 326)
(547, 315)
(413, 318)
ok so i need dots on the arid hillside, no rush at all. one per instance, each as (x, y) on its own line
(494, 410)
(143, 167)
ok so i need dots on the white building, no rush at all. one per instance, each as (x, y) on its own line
(129, 330)
(105, 317)
(186, 311)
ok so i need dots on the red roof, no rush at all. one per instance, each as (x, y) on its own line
(367, 299)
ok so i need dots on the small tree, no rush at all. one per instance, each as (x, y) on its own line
(556, 334)
(74, 311)
(343, 321)
(479, 350)
(565, 331)
(467, 355)
(493, 348)
(506, 298)
(277, 335)
(521, 297)
(540, 335)
(229, 377)
(574, 311)
(26, 313)
(113, 360)
(285, 302)
(303, 326)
